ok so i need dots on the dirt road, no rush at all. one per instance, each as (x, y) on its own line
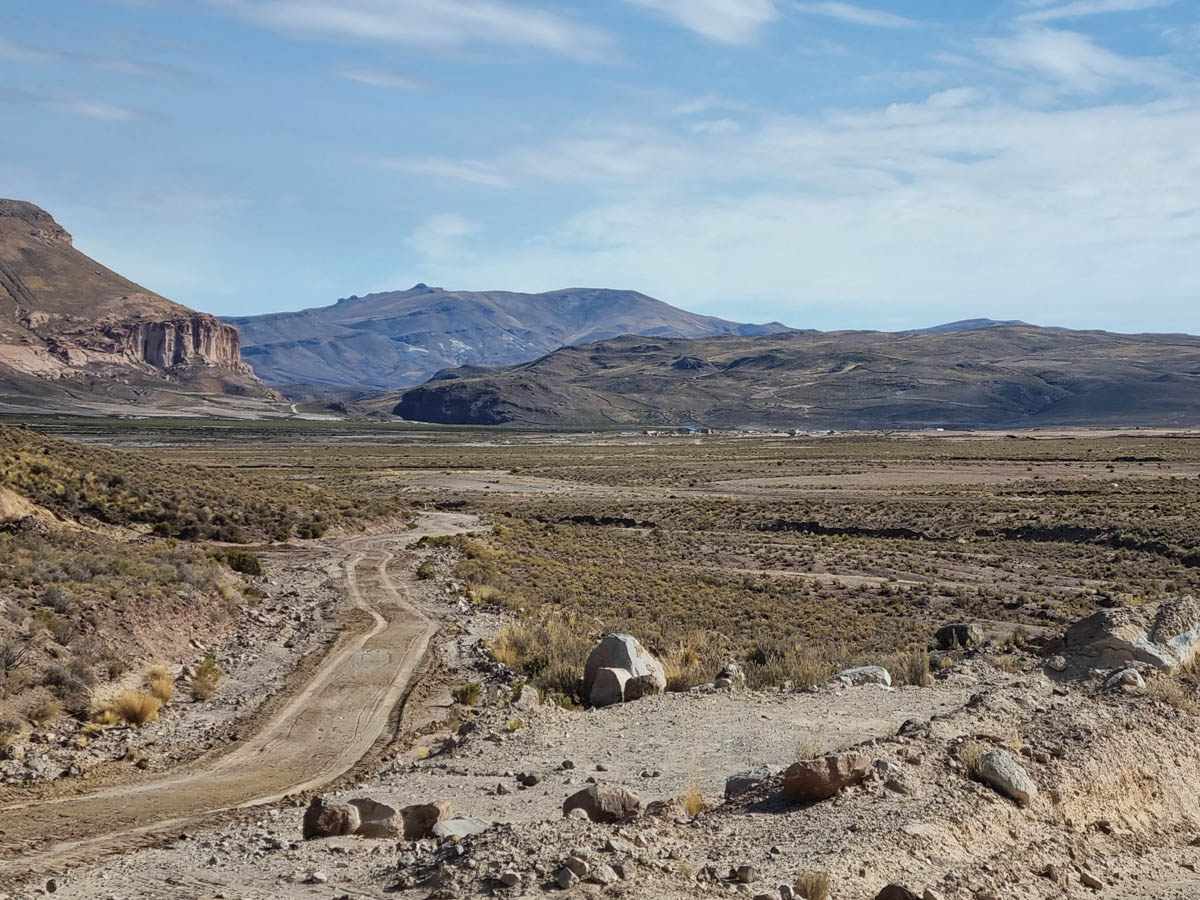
(324, 729)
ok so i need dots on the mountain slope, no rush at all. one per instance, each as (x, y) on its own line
(964, 325)
(401, 338)
(76, 335)
(1003, 376)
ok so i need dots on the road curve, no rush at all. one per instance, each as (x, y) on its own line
(319, 735)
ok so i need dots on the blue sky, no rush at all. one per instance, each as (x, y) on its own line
(826, 164)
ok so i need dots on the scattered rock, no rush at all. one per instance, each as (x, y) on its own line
(318, 878)
(420, 818)
(326, 818)
(1005, 774)
(376, 820)
(896, 892)
(566, 878)
(510, 878)
(1125, 678)
(960, 635)
(604, 803)
(641, 686)
(730, 677)
(747, 874)
(736, 785)
(1057, 663)
(603, 874)
(459, 827)
(864, 675)
(820, 779)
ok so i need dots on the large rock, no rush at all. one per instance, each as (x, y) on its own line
(1165, 635)
(328, 818)
(896, 892)
(736, 785)
(622, 651)
(820, 779)
(959, 635)
(642, 686)
(605, 803)
(1005, 774)
(608, 687)
(420, 818)
(376, 820)
(864, 675)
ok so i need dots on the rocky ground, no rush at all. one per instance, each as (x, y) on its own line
(265, 645)
(990, 783)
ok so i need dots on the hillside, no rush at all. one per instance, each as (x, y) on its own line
(76, 336)
(998, 377)
(401, 338)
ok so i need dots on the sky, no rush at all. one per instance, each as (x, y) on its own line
(824, 164)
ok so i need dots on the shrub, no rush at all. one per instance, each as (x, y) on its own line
(206, 678)
(466, 694)
(12, 656)
(242, 561)
(808, 748)
(812, 885)
(427, 569)
(44, 711)
(693, 799)
(135, 707)
(971, 755)
(160, 683)
(911, 668)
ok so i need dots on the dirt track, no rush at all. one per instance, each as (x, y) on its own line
(323, 730)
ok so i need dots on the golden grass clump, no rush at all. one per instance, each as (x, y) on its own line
(160, 683)
(812, 885)
(1174, 692)
(206, 678)
(693, 799)
(136, 707)
(808, 748)
(466, 694)
(971, 755)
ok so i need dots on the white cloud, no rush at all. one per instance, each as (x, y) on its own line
(1074, 62)
(377, 78)
(23, 53)
(440, 237)
(428, 22)
(857, 15)
(1081, 8)
(470, 171)
(728, 21)
(91, 109)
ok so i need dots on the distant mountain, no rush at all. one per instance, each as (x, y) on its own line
(75, 336)
(1000, 377)
(401, 338)
(964, 325)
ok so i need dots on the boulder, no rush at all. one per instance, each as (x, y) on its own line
(459, 827)
(608, 687)
(527, 698)
(730, 677)
(1125, 678)
(420, 818)
(604, 803)
(328, 818)
(376, 820)
(1005, 774)
(736, 785)
(642, 686)
(1165, 635)
(896, 892)
(820, 779)
(864, 675)
(960, 635)
(622, 651)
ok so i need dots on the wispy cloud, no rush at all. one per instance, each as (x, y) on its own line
(857, 15)
(31, 55)
(91, 109)
(377, 78)
(23, 53)
(440, 237)
(469, 171)
(1080, 8)
(727, 21)
(428, 22)
(1074, 62)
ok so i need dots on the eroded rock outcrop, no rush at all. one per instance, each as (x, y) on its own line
(1165, 635)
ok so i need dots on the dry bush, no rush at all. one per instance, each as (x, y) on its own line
(136, 707)
(514, 725)
(43, 711)
(160, 683)
(971, 754)
(549, 650)
(466, 694)
(693, 798)
(808, 748)
(206, 678)
(910, 668)
(1009, 663)
(774, 663)
(812, 885)
(1174, 692)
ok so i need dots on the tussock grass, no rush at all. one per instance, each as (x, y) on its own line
(808, 748)
(812, 885)
(971, 754)
(206, 678)
(466, 694)
(910, 668)
(136, 707)
(693, 798)
(160, 683)
(1174, 692)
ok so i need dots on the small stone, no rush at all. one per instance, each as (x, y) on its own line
(1057, 663)
(747, 874)
(603, 874)
(1087, 879)
(1005, 774)
(1125, 678)
(318, 878)
(510, 879)
(565, 878)
(931, 894)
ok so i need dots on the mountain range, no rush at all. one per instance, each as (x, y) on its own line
(402, 338)
(76, 336)
(1004, 376)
